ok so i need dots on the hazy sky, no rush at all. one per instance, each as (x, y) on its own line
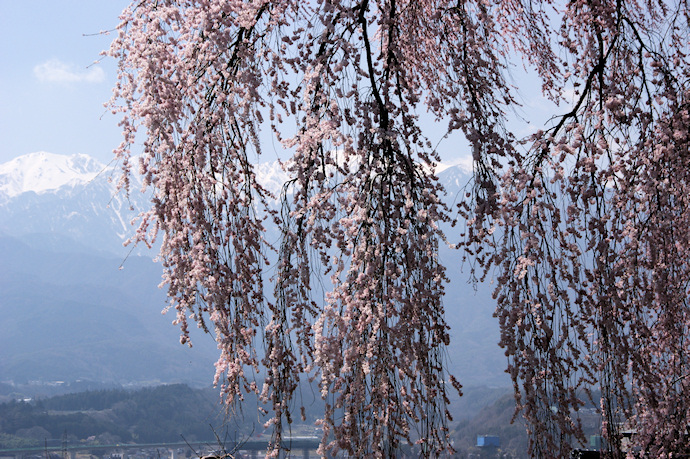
(52, 93)
(51, 96)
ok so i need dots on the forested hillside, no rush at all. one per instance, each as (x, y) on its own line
(159, 414)
(173, 413)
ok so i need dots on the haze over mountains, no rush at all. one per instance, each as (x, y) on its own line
(69, 312)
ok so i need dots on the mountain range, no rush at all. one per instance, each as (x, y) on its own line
(77, 304)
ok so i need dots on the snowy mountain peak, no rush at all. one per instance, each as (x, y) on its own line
(271, 176)
(41, 172)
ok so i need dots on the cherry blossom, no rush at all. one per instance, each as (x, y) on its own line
(582, 226)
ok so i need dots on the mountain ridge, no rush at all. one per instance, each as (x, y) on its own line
(63, 246)
(75, 192)
(41, 172)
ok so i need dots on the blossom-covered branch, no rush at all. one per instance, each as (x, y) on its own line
(582, 225)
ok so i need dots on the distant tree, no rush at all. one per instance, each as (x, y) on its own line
(583, 225)
(89, 400)
(34, 433)
(8, 441)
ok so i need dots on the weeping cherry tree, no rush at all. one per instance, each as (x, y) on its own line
(583, 225)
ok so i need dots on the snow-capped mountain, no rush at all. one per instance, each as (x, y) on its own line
(76, 198)
(271, 176)
(43, 172)
(58, 200)
(73, 199)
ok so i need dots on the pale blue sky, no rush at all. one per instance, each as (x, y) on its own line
(50, 99)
